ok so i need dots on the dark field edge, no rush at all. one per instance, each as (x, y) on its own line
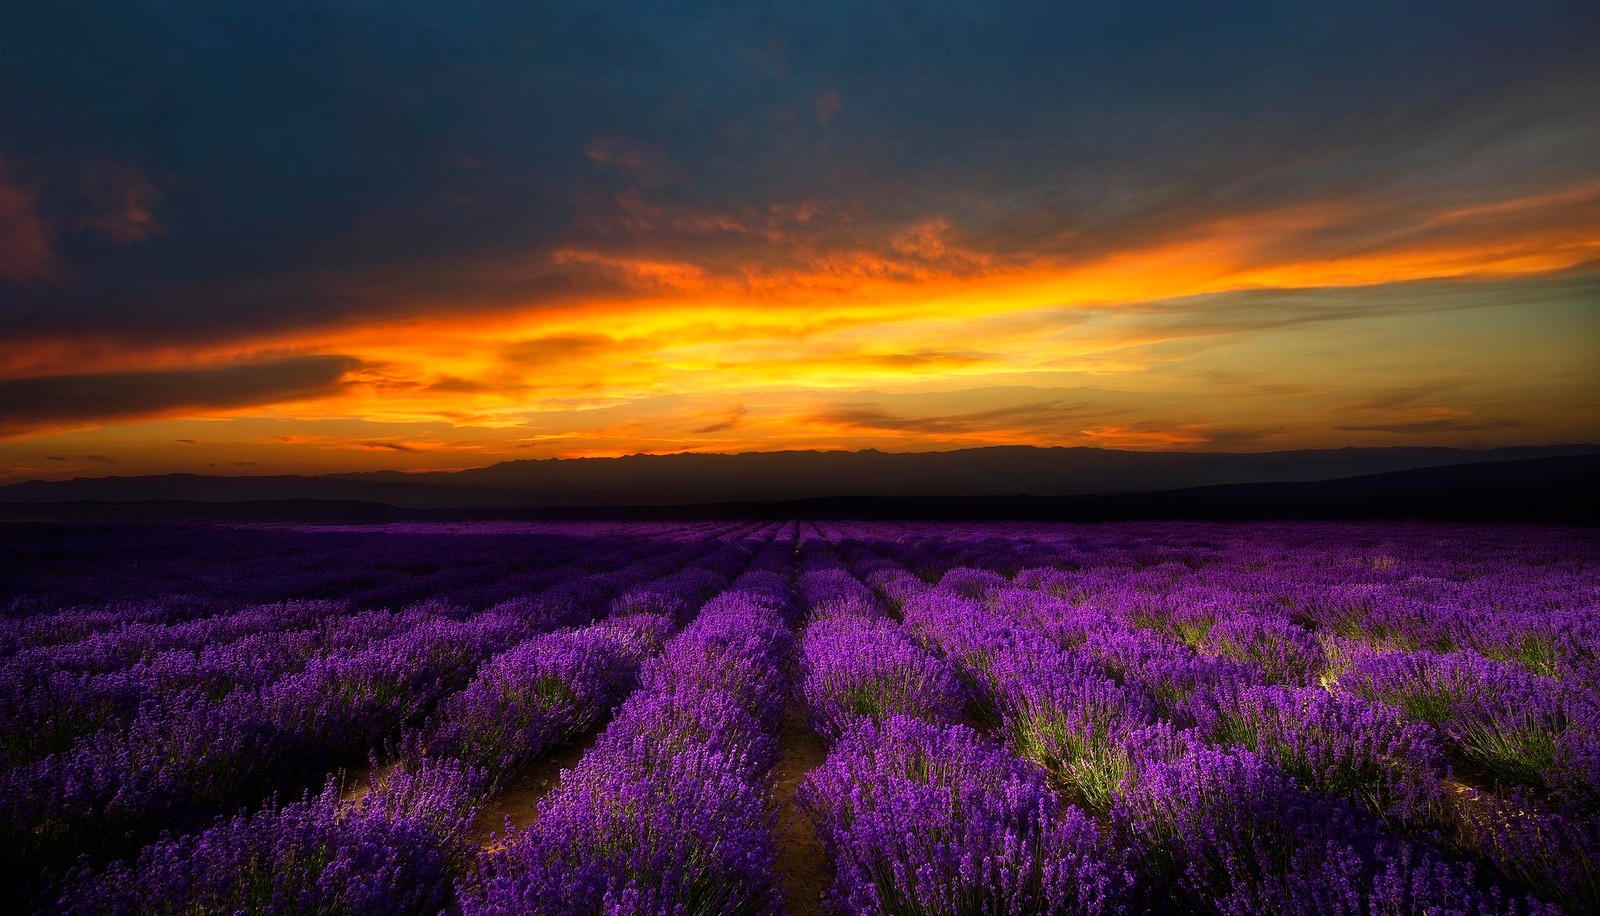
(1561, 490)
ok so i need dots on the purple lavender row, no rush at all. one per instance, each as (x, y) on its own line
(126, 646)
(48, 711)
(23, 627)
(1465, 593)
(857, 664)
(396, 849)
(1512, 730)
(919, 817)
(178, 765)
(164, 644)
(920, 814)
(542, 692)
(667, 812)
(1514, 726)
(217, 568)
(1065, 709)
(399, 846)
(1335, 743)
(1055, 709)
(1090, 733)
(123, 632)
(73, 690)
(1379, 738)
(672, 582)
(500, 567)
(524, 700)
(1228, 831)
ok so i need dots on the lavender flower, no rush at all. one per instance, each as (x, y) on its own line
(921, 818)
(860, 667)
(1513, 725)
(392, 851)
(1338, 744)
(1231, 833)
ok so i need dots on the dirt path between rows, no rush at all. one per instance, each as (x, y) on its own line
(802, 865)
(519, 799)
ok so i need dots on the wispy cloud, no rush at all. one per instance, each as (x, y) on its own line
(731, 421)
(31, 404)
(1438, 425)
(1011, 417)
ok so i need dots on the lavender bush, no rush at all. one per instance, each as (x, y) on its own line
(1035, 718)
(924, 818)
(394, 850)
(668, 811)
(867, 668)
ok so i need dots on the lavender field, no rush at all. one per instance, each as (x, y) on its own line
(741, 718)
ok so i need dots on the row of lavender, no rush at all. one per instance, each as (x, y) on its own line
(163, 573)
(405, 843)
(238, 723)
(918, 812)
(1251, 759)
(668, 812)
(1019, 719)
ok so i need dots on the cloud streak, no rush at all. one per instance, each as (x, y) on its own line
(29, 404)
(1436, 425)
(1011, 417)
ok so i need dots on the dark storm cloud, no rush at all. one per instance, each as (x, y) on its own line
(32, 403)
(325, 162)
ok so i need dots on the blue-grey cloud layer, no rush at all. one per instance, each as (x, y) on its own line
(323, 162)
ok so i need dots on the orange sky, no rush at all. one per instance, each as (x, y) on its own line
(1156, 250)
(1217, 337)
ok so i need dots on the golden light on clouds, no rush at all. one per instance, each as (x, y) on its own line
(683, 353)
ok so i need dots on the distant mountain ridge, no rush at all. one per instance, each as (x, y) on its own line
(1560, 490)
(695, 479)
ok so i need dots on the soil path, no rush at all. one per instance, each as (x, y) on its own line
(802, 865)
(519, 799)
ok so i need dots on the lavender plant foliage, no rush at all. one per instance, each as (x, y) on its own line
(544, 691)
(687, 833)
(395, 850)
(676, 596)
(1553, 850)
(738, 647)
(867, 668)
(1512, 725)
(1231, 833)
(668, 811)
(1057, 709)
(1394, 718)
(924, 818)
(896, 585)
(180, 763)
(1339, 744)
(829, 591)
(971, 583)
(1278, 651)
(1170, 673)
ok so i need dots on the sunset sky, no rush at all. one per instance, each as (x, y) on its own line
(264, 238)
